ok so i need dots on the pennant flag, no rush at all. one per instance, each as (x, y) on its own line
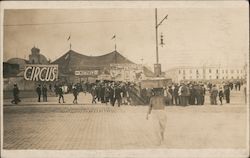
(68, 38)
(113, 37)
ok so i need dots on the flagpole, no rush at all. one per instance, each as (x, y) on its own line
(115, 43)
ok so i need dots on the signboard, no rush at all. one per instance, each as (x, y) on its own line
(34, 72)
(86, 73)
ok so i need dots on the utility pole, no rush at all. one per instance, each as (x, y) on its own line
(157, 66)
(156, 37)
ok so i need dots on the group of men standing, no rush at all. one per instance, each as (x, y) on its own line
(111, 92)
(194, 94)
(42, 90)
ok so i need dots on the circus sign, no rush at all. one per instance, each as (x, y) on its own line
(41, 72)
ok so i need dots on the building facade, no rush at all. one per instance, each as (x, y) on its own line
(207, 73)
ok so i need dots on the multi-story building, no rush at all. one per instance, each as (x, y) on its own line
(206, 73)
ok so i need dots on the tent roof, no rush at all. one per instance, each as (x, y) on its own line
(73, 60)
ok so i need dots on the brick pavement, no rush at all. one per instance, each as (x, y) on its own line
(84, 126)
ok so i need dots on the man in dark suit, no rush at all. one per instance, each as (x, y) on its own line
(39, 91)
(15, 95)
(117, 95)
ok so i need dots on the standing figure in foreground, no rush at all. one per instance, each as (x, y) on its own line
(16, 99)
(157, 105)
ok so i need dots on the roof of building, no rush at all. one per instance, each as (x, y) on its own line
(17, 61)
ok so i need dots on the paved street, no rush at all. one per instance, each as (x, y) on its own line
(84, 126)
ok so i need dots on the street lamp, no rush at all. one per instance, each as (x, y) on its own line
(157, 66)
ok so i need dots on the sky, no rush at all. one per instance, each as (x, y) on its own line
(192, 36)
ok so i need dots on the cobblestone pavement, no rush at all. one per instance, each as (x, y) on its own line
(85, 126)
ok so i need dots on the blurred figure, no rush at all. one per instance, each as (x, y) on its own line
(175, 95)
(117, 95)
(221, 95)
(16, 99)
(60, 93)
(44, 91)
(75, 93)
(39, 91)
(213, 95)
(227, 93)
(157, 107)
(94, 94)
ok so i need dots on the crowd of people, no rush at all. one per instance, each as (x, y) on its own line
(193, 93)
(111, 92)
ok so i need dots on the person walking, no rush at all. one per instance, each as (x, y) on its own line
(75, 93)
(60, 93)
(44, 91)
(39, 91)
(15, 91)
(157, 108)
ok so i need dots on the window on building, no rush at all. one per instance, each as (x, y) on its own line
(238, 77)
(210, 77)
(217, 71)
(232, 77)
(179, 71)
(197, 76)
(232, 71)
(183, 77)
(223, 78)
(217, 77)
(210, 71)
(197, 71)
(226, 77)
(226, 71)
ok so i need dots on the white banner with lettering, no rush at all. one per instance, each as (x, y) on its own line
(86, 73)
(34, 72)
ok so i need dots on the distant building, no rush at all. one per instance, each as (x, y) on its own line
(207, 73)
(18, 61)
(36, 57)
(10, 70)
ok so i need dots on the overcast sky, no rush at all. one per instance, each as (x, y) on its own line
(192, 36)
